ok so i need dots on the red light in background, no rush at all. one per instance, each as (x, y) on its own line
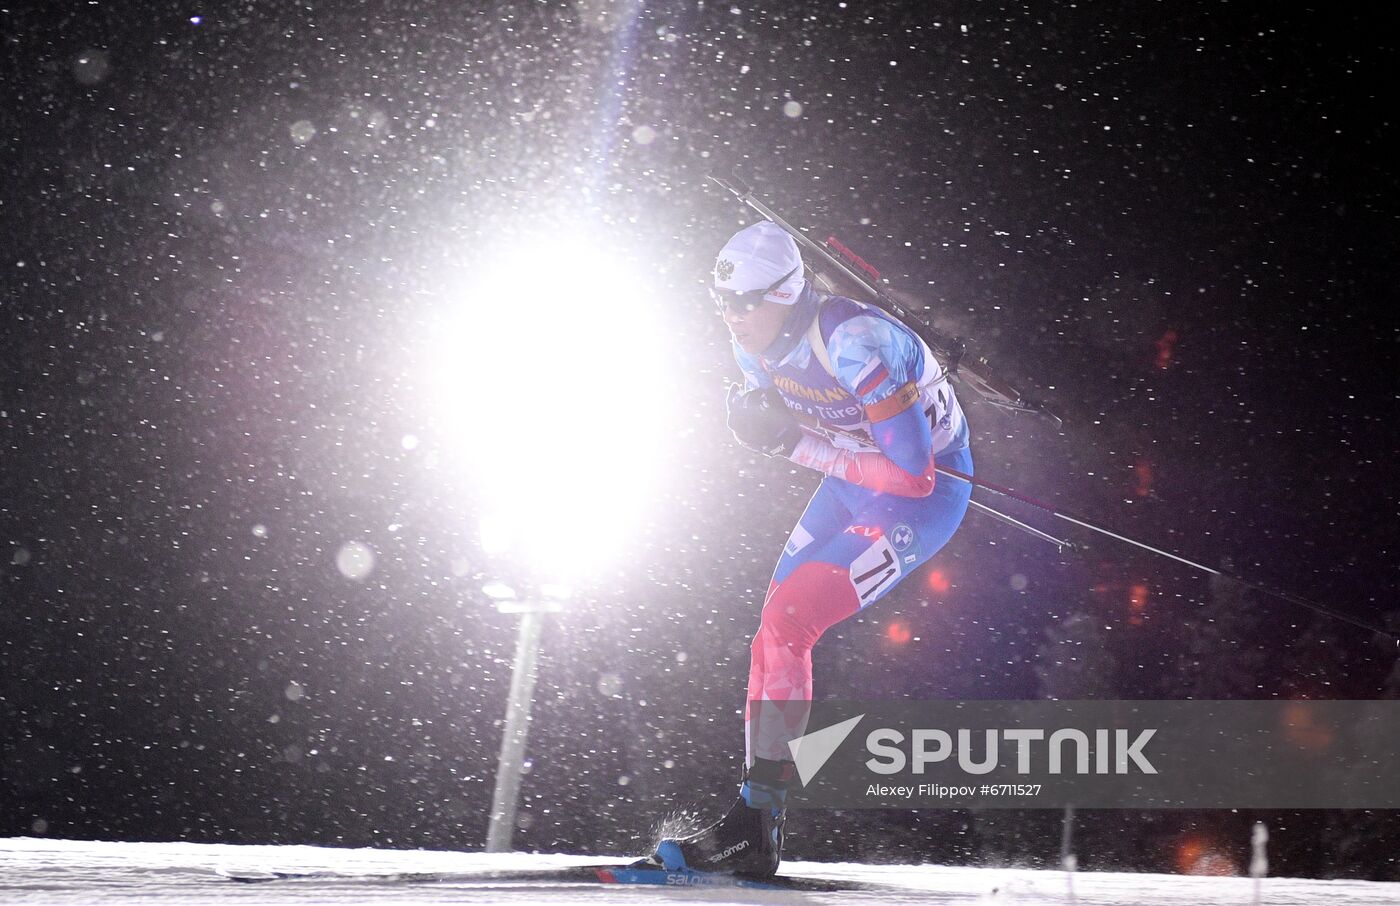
(1137, 603)
(1166, 347)
(1143, 471)
(1304, 730)
(938, 582)
(1188, 854)
(1195, 856)
(898, 632)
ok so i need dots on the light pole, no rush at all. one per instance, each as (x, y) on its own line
(506, 797)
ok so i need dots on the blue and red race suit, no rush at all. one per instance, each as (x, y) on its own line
(877, 412)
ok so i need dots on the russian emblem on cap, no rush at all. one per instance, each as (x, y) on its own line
(724, 269)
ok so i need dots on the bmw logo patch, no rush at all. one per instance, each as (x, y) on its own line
(902, 537)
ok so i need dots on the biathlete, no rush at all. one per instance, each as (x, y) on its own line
(846, 389)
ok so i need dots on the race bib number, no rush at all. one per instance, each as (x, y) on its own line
(875, 571)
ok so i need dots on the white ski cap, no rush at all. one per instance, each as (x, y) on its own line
(758, 256)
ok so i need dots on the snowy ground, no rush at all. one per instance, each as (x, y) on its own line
(61, 871)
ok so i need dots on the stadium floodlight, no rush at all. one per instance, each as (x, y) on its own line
(550, 387)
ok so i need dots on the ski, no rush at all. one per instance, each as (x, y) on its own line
(567, 875)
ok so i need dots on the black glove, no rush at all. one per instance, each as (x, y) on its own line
(761, 422)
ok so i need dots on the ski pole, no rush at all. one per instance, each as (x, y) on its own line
(1060, 543)
(1086, 524)
(1073, 519)
(833, 433)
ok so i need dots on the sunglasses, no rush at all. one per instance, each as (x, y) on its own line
(747, 300)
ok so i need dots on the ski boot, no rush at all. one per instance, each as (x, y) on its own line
(747, 841)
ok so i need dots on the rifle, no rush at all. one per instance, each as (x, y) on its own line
(973, 372)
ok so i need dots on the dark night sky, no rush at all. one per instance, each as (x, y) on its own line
(228, 230)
